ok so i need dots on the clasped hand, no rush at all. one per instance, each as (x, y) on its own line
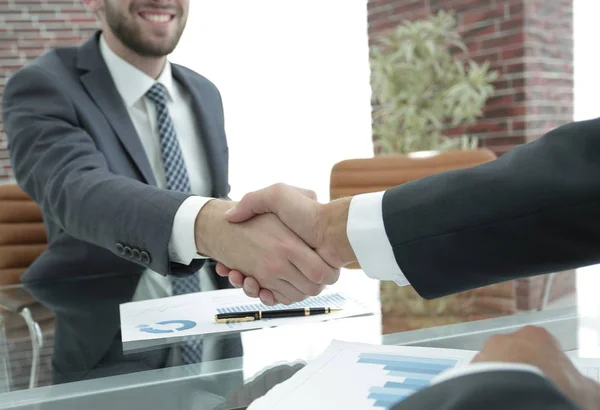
(275, 243)
(278, 244)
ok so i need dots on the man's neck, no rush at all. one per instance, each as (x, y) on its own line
(152, 66)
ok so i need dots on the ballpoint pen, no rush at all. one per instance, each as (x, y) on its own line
(250, 316)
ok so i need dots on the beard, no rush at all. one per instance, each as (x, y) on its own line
(131, 35)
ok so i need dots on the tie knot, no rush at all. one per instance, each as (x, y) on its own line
(158, 94)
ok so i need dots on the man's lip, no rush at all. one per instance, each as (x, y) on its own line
(157, 12)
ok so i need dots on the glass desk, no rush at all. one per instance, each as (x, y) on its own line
(73, 340)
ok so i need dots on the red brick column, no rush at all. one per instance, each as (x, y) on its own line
(27, 29)
(530, 44)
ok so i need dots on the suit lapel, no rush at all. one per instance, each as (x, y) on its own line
(100, 86)
(210, 132)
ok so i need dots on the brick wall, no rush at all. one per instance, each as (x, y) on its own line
(530, 44)
(27, 28)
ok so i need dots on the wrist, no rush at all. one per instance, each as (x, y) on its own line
(208, 227)
(335, 238)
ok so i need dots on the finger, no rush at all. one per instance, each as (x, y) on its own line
(267, 297)
(236, 278)
(318, 272)
(264, 201)
(254, 203)
(251, 287)
(222, 270)
(289, 291)
(281, 298)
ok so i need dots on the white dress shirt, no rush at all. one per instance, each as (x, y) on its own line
(132, 85)
(366, 233)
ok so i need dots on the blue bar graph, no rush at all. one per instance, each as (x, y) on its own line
(410, 374)
(393, 358)
(334, 300)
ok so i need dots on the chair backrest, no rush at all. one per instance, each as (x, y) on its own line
(361, 176)
(22, 233)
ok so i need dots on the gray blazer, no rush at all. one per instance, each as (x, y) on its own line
(75, 152)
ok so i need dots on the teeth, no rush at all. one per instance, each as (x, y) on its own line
(157, 18)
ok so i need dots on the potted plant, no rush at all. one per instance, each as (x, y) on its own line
(421, 90)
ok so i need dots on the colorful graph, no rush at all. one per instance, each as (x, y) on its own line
(409, 375)
(334, 300)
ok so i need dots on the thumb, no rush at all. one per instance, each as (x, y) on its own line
(262, 202)
(252, 204)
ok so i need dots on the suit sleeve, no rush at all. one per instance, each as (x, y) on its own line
(534, 210)
(58, 165)
(491, 390)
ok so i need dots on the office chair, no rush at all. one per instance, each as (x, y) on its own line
(22, 240)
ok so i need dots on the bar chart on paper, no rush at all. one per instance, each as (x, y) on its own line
(359, 376)
(407, 375)
(334, 300)
(193, 314)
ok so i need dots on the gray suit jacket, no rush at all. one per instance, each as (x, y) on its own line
(76, 152)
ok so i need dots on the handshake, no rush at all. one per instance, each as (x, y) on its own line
(278, 243)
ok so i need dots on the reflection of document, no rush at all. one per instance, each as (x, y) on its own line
(361, 376)
(194, 314)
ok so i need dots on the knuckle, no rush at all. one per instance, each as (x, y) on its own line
(493, 341)
(271, 266)
(314, 290)
(287, 247)
(317, 275)
(537, 332)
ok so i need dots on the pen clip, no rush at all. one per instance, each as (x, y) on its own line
(236, 320)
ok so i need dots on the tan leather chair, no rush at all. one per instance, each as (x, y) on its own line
(359, 176)
(402, 308)
(22, 240)
(22, 234)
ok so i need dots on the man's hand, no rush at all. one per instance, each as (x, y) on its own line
(264, 249)
(536, 346)
(322, 227)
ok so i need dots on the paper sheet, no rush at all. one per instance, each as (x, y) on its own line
(193, 314)
(361, 376)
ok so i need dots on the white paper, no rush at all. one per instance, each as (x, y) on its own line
(354, 376)
(194, 314)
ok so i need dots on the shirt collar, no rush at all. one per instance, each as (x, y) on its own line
(131, 82)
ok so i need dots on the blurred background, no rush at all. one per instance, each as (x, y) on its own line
(425, 85)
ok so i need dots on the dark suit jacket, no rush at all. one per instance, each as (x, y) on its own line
(534, 210)
(498, 390)
(76, 152)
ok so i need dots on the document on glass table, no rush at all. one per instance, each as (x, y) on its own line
(361, 376)
(194, 314)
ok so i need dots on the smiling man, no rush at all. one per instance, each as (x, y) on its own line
(124, 151)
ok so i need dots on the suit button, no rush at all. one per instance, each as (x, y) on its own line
(145, 257)
(120, 248)
(136, 255)
(127, 252)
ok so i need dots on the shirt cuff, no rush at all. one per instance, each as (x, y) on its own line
(182, 247)
(366, 234)
(484, 367)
